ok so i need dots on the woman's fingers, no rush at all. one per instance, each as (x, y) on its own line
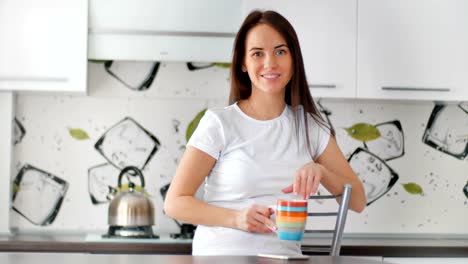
(309, 184)
(297, 183)
(315, 184)
(257, 219)
(288, 189)
(263, 217)
(304, 179)
(307, 180)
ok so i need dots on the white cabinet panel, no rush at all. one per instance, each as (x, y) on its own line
(413, 49)
(6, 116)
(327, 35)
(161, 30)
(163, 15)
(44, 45)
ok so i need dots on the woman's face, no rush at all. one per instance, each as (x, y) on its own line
(268, 60)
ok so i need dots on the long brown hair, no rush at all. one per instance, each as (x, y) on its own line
(297, 90)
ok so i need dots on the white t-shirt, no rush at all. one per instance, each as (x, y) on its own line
(256, 159)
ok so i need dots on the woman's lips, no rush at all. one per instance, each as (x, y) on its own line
(270, 76)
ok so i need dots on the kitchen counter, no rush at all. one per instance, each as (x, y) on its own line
(80, 243)
(69, 258)
(388, 247)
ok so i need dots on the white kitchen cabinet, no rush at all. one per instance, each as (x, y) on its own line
(413, 49)
(43, 45)
(162, 30)
(327, 34)
(6, 131)
(425, 260)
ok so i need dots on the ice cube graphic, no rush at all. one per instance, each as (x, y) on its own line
(346, 143)
(447, 130)
(18, 131)
(38, 195)
(464, 106)
(127, 144)
(135, 75)
(193, 66)
(326, 113)
(390, 144)
(102, 179)
(377, 177)
(465, 190)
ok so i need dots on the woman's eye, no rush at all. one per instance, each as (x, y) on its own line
(280, 52)
(257, 54)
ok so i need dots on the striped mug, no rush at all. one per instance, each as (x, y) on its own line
(291, 218)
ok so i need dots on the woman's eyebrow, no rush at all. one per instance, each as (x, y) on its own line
(277, 46)
(281, 45)
(255, 48)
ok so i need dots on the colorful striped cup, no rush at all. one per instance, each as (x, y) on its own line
(291, 218)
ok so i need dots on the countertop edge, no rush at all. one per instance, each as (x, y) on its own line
(186, 248)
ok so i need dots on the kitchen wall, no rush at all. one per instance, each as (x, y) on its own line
(69, 149)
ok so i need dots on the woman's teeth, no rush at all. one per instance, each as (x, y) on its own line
(270, 76)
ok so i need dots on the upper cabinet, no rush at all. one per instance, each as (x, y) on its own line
(162, 30)
(43, 45)
(327, 34)
(413, 49)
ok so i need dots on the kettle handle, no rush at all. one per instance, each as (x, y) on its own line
(134, 169)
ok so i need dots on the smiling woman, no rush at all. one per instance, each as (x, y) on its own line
(268, 62)
(270, 141)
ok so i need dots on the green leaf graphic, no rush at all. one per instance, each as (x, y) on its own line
(363, 132)
(15, 188)
(412, 188)
(223, 64)
(193, 124)
(78, 133)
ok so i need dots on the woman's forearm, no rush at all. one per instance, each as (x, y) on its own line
(188, 209)
(335, 184)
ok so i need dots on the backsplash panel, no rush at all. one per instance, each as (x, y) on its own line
(421, 191)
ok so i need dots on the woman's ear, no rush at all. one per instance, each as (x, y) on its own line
(244, 69)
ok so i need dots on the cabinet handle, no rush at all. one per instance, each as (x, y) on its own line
(33, 79)
(112, 31)
(419, 89)
(327, 86)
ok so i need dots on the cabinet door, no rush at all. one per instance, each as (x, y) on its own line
(162, 30)
(327, 34)
(413, 49)
(6, 130)
(43, 45)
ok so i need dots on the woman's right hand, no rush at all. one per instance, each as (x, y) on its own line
(256, 218)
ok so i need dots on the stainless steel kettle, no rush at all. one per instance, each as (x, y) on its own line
(131, 213)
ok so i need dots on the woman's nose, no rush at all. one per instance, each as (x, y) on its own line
(270, 61)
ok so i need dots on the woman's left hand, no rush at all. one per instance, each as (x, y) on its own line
(306, 180)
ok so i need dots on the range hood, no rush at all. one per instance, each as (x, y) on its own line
(163, 30)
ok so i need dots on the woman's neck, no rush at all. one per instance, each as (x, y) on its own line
(263, 107)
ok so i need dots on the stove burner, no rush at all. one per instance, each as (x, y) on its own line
(130, 232)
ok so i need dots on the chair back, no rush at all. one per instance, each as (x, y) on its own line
(337, 232)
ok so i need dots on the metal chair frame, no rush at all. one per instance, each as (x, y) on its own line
(340, 215)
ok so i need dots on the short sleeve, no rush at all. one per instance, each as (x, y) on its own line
(208, 136)
(319, 135)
